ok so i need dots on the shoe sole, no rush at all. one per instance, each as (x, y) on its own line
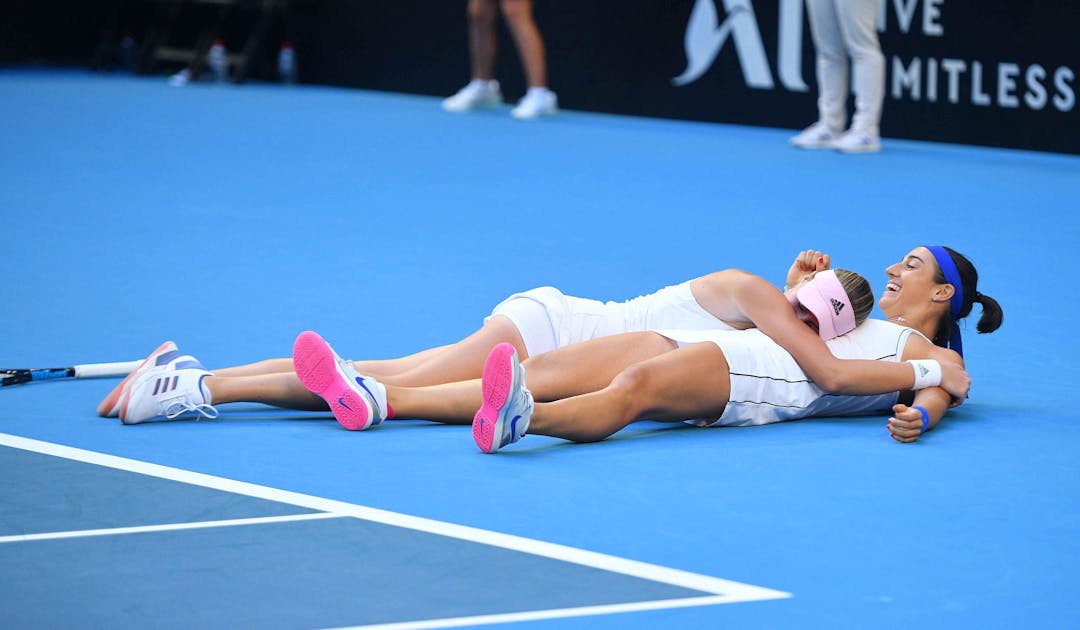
(539, 114)
(498, 380)
(316, 366)
(812, 144)
(110, 407)
(867, 149)
(474, 107)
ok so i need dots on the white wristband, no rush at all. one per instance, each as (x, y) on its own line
(927, 373)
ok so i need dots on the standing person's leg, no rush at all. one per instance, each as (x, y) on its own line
(831, 65)
(483, 44)
(482, 90)
(538, 100)
(530, 44)
(858, 22)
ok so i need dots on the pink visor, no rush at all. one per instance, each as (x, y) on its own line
(825, 297)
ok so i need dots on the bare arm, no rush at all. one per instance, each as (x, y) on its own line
(737, 295)
(906, 424)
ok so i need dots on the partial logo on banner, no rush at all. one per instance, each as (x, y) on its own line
(921, 77)
(706, 36)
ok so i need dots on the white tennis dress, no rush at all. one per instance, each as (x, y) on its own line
(548, 319)
(767, 385)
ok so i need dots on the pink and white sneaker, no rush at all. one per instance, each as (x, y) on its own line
(508, 405)
(173, 386)
(358, 401)
(110, 406)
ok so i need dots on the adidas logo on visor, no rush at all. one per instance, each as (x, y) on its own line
(837, 306)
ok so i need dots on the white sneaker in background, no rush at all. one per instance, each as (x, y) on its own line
(180, 79)
(816, 136)
(538, 101)
(856, 141)
(478, 93)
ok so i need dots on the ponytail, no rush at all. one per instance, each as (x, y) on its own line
(991, 317)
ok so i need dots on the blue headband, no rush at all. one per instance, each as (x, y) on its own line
(952, 276)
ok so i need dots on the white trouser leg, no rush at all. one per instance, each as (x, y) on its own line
(858, 21)
(832, 62)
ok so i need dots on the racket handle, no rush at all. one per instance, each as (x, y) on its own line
(105, 370)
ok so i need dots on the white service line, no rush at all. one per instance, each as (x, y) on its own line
(537, 615)
(167, 527)
(732, 591)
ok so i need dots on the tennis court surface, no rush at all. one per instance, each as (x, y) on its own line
(229, 219)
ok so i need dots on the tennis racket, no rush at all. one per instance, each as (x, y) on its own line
(89, 370)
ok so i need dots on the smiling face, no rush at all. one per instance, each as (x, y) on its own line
(911, 284)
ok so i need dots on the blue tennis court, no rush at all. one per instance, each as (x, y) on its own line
(229, 219)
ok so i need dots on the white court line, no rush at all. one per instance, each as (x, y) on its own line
(537, 615)
(167, 527)
(728, 591)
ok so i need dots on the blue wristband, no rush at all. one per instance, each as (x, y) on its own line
(925, 418)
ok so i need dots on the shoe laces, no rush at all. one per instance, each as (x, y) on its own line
(203, 409)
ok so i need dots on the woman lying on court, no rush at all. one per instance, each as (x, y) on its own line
(731, 295)
(534, 322)
(731, 378)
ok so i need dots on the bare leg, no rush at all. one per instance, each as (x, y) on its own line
(583, 367)
(691, 382)
(280, 390)
(449, 403)
(269, 366)
(530, 44)
(274, 381)
(457, 362)
(482, 41)
(380, 369)
(386, 368)
(589, 366)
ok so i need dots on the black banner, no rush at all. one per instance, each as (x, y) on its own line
(986, 72)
